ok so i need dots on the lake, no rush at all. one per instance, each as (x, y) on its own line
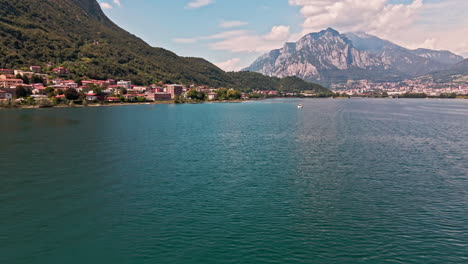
(339, 181)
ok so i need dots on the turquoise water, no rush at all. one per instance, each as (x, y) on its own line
(340, 181)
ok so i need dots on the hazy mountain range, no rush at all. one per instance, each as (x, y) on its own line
(331, 57)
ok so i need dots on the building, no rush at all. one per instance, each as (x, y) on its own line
(92, 97)
(129, 97)
(8, 83)
(24, 73)
(125, 84)
(6, 71)
(212, 96)
(71, 85)
(38, 88)
(30, 74)
(5, 95)
(113, 99)
(61, 71)
(174, 90)
(139, 89)
(35, 69)
(162, 96)
(99, 83)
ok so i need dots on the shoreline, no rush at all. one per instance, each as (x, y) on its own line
(84, 106)
(203, 102)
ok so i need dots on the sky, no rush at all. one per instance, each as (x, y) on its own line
(233, 33)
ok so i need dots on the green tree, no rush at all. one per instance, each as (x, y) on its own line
(25, 79)
(37, 79)
(72, 94)
(21, 92)
(196, 95)
(234, 94)
(97, 90)
(44, 102)
(50, 91)
(222, 94)
(192, 94)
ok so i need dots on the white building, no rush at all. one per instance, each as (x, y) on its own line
(212, 96)
(125, 84)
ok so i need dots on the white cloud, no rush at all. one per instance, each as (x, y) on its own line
(278, 33)
(244, 40)
(117, 3)
(199, 3)
(222, 35)
(105, 5)
(232, 24)
(248, 42)
(441, 26)
(230, 65)
(430, 43)
(370, 16)
(226, 34)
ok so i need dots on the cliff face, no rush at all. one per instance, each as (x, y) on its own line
(329, 56)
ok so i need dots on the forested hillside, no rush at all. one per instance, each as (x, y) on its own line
(76, 34)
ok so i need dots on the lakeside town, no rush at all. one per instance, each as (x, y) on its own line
(422, 87)
(33, 87)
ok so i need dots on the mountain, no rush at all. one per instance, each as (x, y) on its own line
(76, 34)
(257, 81)
(458, 72)
(442, 56)
(331, 57)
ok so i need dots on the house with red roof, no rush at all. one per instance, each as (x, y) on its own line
(35, 69)
(91, 97)
(112, 99)
(61, 71)
(8, 83)
(6, 71)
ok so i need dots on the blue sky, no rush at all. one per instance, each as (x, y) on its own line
(232, 33)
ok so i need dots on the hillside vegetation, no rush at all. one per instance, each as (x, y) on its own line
(76, 34)
(257, 81)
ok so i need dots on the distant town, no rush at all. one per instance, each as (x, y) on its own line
(33, 87)
(421, 87)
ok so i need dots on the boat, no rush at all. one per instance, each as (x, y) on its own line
(300, 106)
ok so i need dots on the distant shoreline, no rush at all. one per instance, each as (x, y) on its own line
(204, 102)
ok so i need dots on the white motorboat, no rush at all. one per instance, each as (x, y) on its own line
(300, 106)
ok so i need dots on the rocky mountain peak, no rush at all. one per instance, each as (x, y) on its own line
(328, 56)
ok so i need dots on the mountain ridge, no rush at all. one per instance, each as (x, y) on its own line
(329, 57)
(458, 71)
